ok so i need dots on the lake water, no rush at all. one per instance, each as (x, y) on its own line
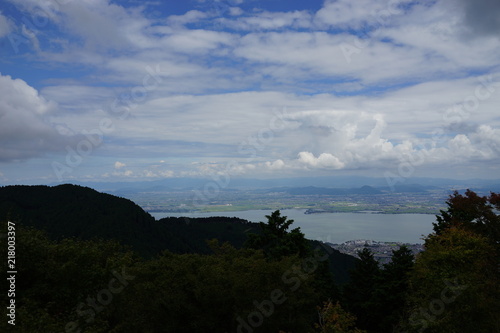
(341, 227)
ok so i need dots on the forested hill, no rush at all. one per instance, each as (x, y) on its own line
(67, 211)
(74, 211)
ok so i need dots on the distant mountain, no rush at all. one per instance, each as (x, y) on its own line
(68, 211)
(409, 188)
(312, 190)
(344, 182)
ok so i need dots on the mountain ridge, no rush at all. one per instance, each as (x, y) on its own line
(74, 211)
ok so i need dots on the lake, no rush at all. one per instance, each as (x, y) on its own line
(341, 227)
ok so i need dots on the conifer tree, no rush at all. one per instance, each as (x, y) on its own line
(358, 293)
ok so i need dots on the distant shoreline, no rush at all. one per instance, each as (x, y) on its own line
(271, 209)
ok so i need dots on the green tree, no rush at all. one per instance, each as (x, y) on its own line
(455, 284)
(358, 293)
(276, 240)
(473, 212)
(392, 288)
(334, 319)
(56, 280)
(233, 290)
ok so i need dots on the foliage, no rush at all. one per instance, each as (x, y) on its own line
(170, 293)
(53, 278)
(71, 211)
(273, 284)
(218, 293)
(358, 294)
(334, 319)
(472, 212)
(377, 295)
(276, 240)
(455, 284)
(392, 289)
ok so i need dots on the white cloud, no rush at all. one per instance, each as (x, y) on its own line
(31, 35)
(223, 80)
(101, 24)
(354, 14)
(276, 165)
(235, 11)
(271, 21)
(126, 173)
(5, 26)
(191, 16)
(167, 174)
(325, 160)
(196, 41)
(157, 174)
(119, 165)
(25, 129)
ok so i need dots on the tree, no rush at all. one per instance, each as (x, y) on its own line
(276, 240)
(334, 319)
(358, 293)
(392, 289)
(455, 284)
(57, 282)
(472, 212)
(233, 290)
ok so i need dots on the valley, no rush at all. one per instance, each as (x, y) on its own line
(385, 202)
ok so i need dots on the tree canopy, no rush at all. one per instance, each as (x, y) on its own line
(277, 240)
(455, 285)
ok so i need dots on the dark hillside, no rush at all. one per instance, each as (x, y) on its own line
(72, 211)
(81, 212)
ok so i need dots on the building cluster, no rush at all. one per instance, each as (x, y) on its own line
(382, 251)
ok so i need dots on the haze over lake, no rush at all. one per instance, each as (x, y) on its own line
(340, 227)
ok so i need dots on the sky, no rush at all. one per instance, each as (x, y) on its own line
(99, 90)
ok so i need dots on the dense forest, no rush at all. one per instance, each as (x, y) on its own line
(93, 262)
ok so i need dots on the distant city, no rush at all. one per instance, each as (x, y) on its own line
(382, 251)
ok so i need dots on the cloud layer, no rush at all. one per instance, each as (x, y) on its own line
(348, 87)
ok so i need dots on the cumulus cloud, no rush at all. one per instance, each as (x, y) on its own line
(25, 131)
(222, 78)
(481, 145)
(324, 160)
(119, 165)
(276, 165)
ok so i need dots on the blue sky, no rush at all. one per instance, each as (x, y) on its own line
(98, 90)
